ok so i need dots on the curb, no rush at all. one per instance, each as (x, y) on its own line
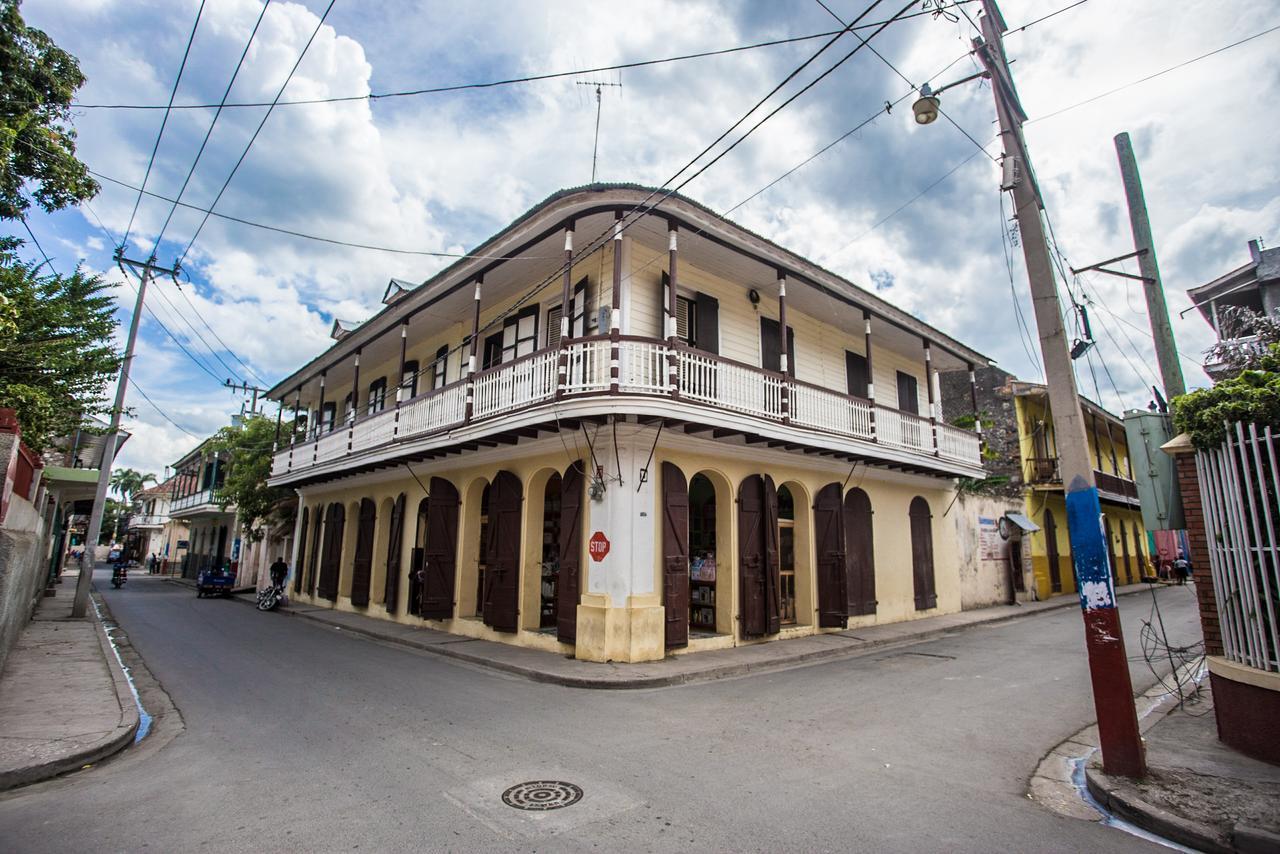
(121, 737)
(1136, 811)
(727, 671)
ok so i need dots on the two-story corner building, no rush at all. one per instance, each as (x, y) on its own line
(212, 530)
(1254, 287)
(1020, 435)
(616, 432)
(157, 533)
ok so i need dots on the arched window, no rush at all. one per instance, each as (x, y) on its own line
(922, 554)
(786, 556)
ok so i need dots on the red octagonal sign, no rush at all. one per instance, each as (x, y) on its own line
(598, 546)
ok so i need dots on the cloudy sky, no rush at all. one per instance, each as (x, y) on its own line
(914, 212)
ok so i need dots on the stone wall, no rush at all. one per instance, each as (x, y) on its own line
(984, 558)
(23, 570)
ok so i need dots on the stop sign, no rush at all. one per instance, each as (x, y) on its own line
(598, 546)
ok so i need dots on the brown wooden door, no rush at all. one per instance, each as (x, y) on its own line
(1111, 550)
(828, 525)
(569, 578)
(302, 554)
(502, 554)
(922, 554)
(772, 557)
(335, 520)
(313, 567)
(751, 556)
(395, 546)
(439, 556)
(1124, 547)
(675, 555)
(860, 561)
(1051, 551)
(362, 567)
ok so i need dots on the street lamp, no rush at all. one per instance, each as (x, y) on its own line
(926, 106)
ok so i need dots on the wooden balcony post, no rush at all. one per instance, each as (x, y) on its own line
(319, 421)
(297, 406)
(566, 313)
(973, 400)
(615, 311)
(355, 402)
(783, 362)
(928, 381)
(471, 359)
(672, 336)
(275, 445)
(404, 344)
(871, 382)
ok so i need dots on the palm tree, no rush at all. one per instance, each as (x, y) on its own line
(127, 482)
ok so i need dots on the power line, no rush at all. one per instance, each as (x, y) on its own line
(43, 255)
(1045, 17)
(533, 78)
(261, 124)
(1149, 77)
(239, 63)
(168, 108)
(200, 364)
(198, 336)
(157, 408)
(218, 337)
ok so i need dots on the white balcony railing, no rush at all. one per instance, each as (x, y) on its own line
(147, 521)
(643, 367)
(186, 502)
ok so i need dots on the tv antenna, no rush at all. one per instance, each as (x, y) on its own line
(595, 148)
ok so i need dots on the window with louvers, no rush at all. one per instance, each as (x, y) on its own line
(439, 368)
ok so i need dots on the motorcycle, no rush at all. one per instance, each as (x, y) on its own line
(119, 575)
(270, 597)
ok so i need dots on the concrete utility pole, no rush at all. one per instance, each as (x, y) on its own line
(1122, 751)
(246, 388)
(81, 601)
(1161, 329)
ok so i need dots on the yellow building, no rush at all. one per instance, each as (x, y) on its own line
(1050, 549)
(618, 433)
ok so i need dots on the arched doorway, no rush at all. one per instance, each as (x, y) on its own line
(334, 521)
(703, 562)
(569, 582)
(395, 546)
(675, 556)
(787, 600)
(549, 559)
(758, 556)
(362, 564)
(1124, 551)
(417, 559)
(1051, 551)
(830, 542)
(501, 571)
(926, 594)
(302, 553)
(1137, 551)
(860, 565)
(437, 550)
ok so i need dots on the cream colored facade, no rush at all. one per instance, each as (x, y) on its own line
(621, 391)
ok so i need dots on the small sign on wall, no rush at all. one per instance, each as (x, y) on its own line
(990, 546)
(598, 546)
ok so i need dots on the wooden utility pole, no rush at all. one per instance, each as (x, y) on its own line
(1157, 311)
(1122, 751)
(148, 270)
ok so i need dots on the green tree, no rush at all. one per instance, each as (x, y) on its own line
(1253, 396)
(37, 143)
(247, 447)
(127, 483)
(58, 357)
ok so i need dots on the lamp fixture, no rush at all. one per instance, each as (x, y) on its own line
(926, 106)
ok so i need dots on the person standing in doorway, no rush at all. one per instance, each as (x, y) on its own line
(279, 571)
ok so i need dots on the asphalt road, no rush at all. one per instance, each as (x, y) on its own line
(302, 738)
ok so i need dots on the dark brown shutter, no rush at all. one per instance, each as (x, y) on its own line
(302, 554)
(772, 557)
(707, 323)
(1111, 550)
(502, 564)
(675, 555)
(1137, 552)
(1124, 546)
(313, 570)
(908, 393)
(335, 520)
(362, 567)
(922, 554)
(569, 578)
(395, 546)
(828, 525)
(860, 563)
(770, 352)
(855, 370)
(1051, 551)
(439, 559)
(751, 572)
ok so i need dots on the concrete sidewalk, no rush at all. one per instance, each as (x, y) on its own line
(1199, 792)
(64, 699)
(673, 670)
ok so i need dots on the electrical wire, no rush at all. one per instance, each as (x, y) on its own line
(1045, 17)
(261, 124)
(40, 248)
(164, 121)
(175, 311)
(214, 123)
(533, 78)
(133, 383)
(200, 364)
(218, 338)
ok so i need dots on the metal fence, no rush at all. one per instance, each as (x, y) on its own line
(1240, 491)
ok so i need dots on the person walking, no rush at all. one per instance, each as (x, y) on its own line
(1182, 568)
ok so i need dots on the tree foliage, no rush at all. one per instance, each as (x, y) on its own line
(37, 143)
(247, 449)
(127, 482)
(1253, 396)
(56, 352)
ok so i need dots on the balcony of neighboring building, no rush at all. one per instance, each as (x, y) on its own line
(1042, 473)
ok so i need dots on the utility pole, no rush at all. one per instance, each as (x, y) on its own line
(148, 270)
(246, 388)
(595, 147)
(1122, 751)
(1157, 311)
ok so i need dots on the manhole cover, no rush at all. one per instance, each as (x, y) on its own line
(542, 795)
